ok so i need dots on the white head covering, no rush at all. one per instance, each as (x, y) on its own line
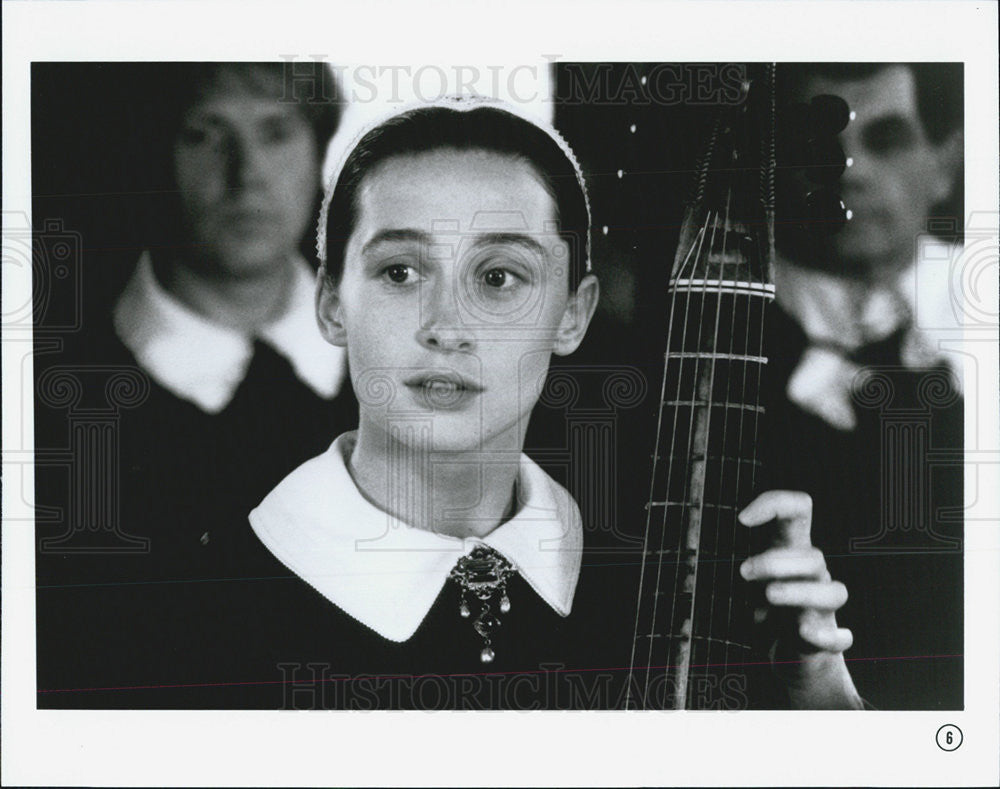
(458, 104)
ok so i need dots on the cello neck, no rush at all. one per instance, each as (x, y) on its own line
(691, 642)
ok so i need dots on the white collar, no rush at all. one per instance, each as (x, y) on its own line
(840, 315)
(387, 574)
(204, 362)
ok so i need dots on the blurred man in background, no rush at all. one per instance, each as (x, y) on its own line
(218, 316)
(862, 384)
(855, 286)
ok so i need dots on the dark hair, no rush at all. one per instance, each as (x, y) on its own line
(938, 88)
(310, 85)
(171, 89)
(483, 128)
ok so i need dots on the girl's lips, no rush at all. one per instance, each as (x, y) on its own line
(442, 381)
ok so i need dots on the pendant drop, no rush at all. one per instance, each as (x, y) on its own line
(482, 575)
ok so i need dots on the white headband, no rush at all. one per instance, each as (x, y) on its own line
(459, 104)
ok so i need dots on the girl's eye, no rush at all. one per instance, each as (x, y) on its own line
(496, 277)
(503, 278)
(398, 273)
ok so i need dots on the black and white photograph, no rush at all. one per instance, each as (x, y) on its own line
(539, 394)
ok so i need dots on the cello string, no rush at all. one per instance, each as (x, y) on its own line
(680, 557)
(691, 255)
(769, 175)
(710, 522)
(743, 349)
(750, 301)
(649, 508)
(762, 273)
(686, 272)
(709, 659)
(703, 416)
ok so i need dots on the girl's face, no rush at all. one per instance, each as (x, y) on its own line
(454, 295)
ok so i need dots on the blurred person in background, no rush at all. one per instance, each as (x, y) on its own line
(856, 286)
(218, 315)
(862, 313)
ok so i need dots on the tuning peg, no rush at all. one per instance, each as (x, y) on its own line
(809, 141)
(827, 161)
(825, 213)
(830, 114)
(814, 160)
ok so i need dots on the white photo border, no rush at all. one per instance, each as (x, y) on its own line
(321, 748)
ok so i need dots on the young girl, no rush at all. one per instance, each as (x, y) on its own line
(443, 565)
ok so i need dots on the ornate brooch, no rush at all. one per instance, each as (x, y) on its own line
(483, 575)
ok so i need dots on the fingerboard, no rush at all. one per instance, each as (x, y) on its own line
(692, 637)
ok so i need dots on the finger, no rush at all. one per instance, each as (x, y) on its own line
(829, 639)
(817, 595)
(786, 563)
(791, 509)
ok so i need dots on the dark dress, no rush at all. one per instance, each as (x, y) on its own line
(267, 640)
